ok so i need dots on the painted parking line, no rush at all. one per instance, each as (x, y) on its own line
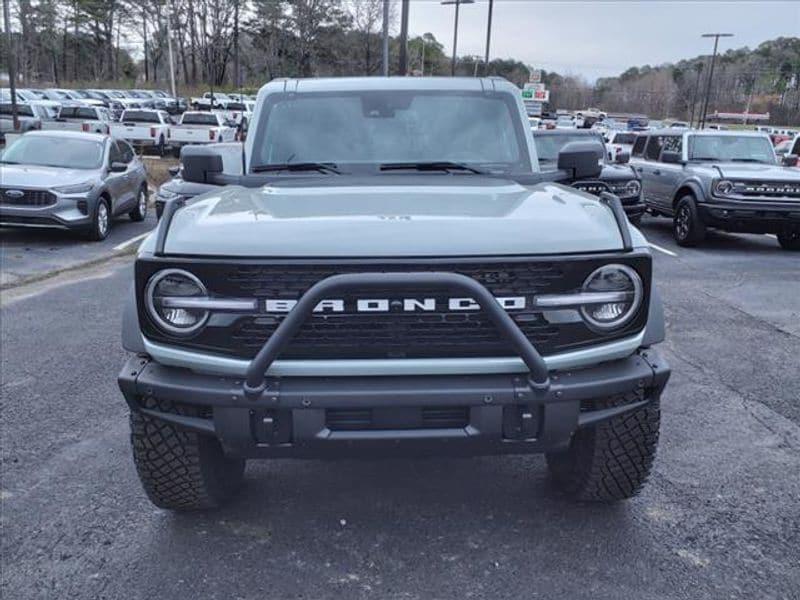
(663, 250)
(772, 235)
(133, 240)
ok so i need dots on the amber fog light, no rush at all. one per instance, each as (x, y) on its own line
(171, 298)
(619, 279)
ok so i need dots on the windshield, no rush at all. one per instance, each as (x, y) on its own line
(140, 116)
(199, 119)
(548, 146)
(375, 128)
(731, 148)
(45, 151)
(77, 112)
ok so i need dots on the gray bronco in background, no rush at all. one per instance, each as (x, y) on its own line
(726, 180)
(382, 280)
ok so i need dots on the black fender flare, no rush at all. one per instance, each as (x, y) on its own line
(655, 330)
(132, 339)
(694, 187)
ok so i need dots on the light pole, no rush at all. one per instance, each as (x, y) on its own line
(716, 37)
(12, 71)
(458, 3)
(169, 49)
(385, 65)
(699, 68)
(488, 37)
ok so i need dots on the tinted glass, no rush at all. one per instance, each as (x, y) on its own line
(140, 116)
(23, 110)
(653, 149)
(399, 126)
(548, 146)
(199, 119)
(731, 148)
(77, 112)
(114, 153)
(126, 150)
(71, 153)
(624, 138)
(638, 145)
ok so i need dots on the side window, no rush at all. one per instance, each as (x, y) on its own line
(796, 149)
(673, 143)
(115, 155)
(653, 149)
(638, 146)
(126, 151)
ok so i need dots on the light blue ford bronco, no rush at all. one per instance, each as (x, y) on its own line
(391, 274)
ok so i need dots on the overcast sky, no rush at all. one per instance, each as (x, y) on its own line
(599, 39)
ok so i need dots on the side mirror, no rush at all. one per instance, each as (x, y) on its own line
(581, 159)
(623, 157)
(200, 164)
(790, 160)
(674, 158)
(118, 167)
(173, 171)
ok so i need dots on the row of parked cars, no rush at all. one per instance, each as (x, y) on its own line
(733, 181)
(146, 118)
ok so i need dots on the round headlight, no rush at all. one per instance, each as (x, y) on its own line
(163, 296)
(625, 284)
(632, 188)
(723, 187)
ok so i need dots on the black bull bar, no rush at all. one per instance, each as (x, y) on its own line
(255, 380)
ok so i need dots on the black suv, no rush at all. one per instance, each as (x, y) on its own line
(618, 178)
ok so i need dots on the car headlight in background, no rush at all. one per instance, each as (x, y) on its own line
(78, 188)
(723, 187)
(171, 297)
(632, 188)
(619, 279)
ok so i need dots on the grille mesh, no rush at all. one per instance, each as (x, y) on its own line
(28, 198)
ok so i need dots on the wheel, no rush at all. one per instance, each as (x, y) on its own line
(101, 221)
(611, 460)
(687, 227)
(140, 212)
(789, 240)
(180, 469)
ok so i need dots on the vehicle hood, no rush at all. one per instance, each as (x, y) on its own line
(617, 172)
(34, 177)
(758, 172)
(481, 216)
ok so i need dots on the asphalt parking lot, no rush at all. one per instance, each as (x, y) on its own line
(720, 517)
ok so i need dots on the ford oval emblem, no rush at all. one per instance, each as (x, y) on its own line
(15, 193)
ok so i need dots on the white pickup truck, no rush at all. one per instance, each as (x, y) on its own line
(211, 100)
(197, 127)
(90, 119)
(144, 128)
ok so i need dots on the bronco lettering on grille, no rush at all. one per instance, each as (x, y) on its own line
(367, 305)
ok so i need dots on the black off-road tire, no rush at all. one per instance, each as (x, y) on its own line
(611, 460)
(179, 469)
(687, 226)
(140, 210)
(789, 240)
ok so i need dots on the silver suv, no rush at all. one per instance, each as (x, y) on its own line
(725, 180)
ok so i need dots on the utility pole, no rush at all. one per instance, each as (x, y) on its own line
(458, 3)
(385, 38)
(488, 37)
(169, 48)
(12, 66)
(236, 46)
(716, 37)
(699, 68)
(404, 38)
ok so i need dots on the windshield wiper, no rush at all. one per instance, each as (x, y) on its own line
(748, 160)
(301, 166)
(440, 165)
(705, 158)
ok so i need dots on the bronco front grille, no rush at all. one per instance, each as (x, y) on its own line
(393, 334)
(770, 189)
(17, 197)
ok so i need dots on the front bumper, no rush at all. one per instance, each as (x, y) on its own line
(319, 417)
(66, 213)
(751, 216)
